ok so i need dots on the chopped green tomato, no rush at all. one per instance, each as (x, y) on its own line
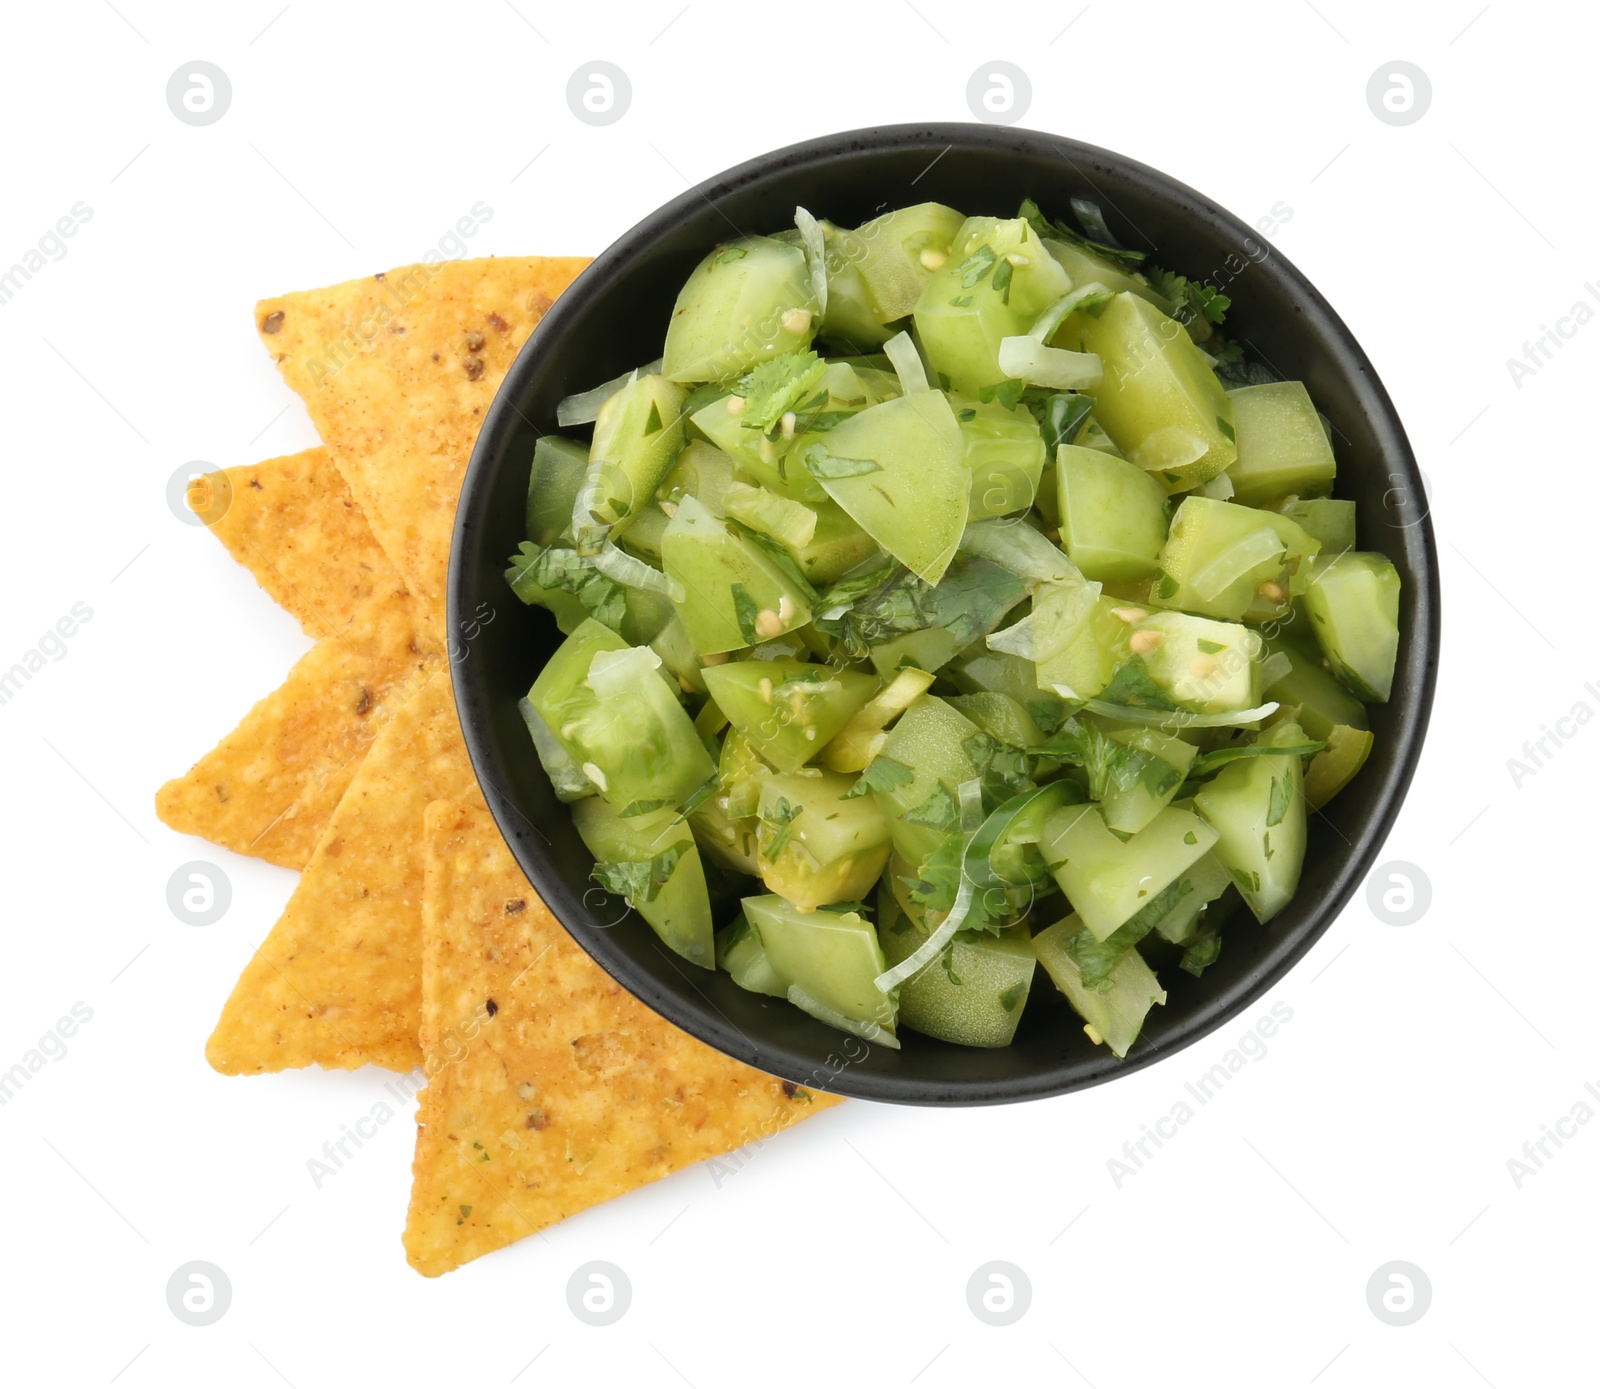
(974, 994)
(1146, 782)
(645, 533)
(558, 470)
(931, 741)
(765, 459)
(1004, 452)
(837, 544)
(787, 709)
(1160, 401)
(618, 720)
(1326, 519)
(1113, 1015)
(1084, 267)
(1113, 514)
(565, 775)
(1002, 717)
(1220, 558)
(1335, 767)
(1354, 604)
(818, 843)
(961, 325)
(724, 840)
(833, 957)
(652, 861)
(897, 469)
(1301, 681)
(740, 772)
(746, 302)
(978, 669)
(636, 440)
(897, 252)
(740, 952)
(1108, 879)
(1202, 666)
(678, 655)
(1300, 547)
(1197, 887)
(736, 594)
(791, 524)
(1257, 808)
(861, 739)
(1005, 256)
(1283, 448)
(851, 316)
(703, 471)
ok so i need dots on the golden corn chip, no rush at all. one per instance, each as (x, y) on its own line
(550, 1087)
(293, 524)
(397, 372)
(338, 981)
(269, 788)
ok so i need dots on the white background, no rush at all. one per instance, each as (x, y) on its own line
(1379, 1122)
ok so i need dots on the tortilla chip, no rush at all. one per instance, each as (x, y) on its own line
(551, 1088)
(269, 788)
(294, 525)
(338, 982)
(398, 372)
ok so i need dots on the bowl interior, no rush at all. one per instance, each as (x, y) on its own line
(615, 317)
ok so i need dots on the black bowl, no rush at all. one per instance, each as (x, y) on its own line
(615, 317)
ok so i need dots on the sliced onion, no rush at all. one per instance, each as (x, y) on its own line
(1027, 359)
(1275, 668)
(1252, 549)
(929, 951)
(907, 362)
(822, 1013)
(816, 255)
(1045, 325)
(1166, 718)
(635, 573)
(970, 794)
(1219, 488)
(1015, 640)
(1017, 546)
(584, 408)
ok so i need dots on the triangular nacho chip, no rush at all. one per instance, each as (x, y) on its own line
(398, 371)
(269, 788)
(338, 982)
(551, 1088)
(293, 524)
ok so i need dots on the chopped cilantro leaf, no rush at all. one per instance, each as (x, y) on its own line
(566, 571)
(781, 817)
(882, 774)
(1134, 686)
(1278, 802)
(976, 266)
(941, 810)
(640, 881)
(1191, 297)
(1008, 392)
(745, 611)
(773, 387)
(824, 465)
